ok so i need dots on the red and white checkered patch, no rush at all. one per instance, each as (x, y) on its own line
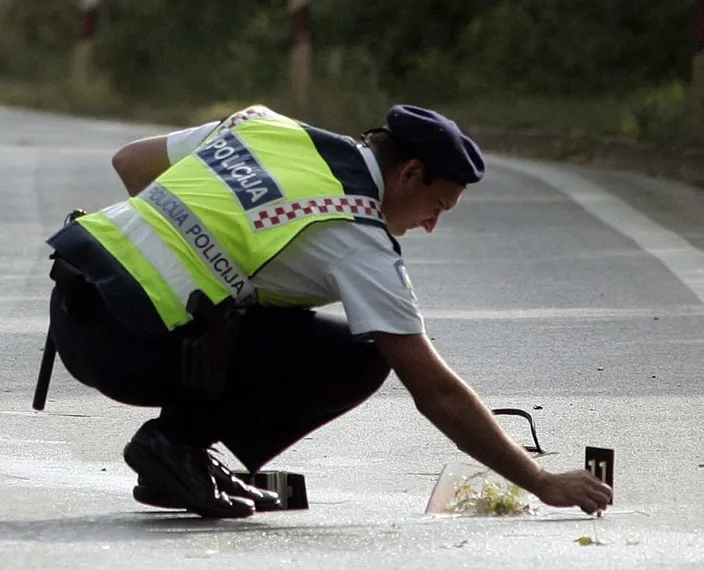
(359, 206)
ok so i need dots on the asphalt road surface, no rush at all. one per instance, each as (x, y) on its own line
(576, 295)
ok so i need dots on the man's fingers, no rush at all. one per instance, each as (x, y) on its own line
(599, 498)
(598, 495)
(588, 506)
(598, 485)
(602, 498)
(601, 492)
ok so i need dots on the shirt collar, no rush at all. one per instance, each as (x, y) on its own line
(373, 166)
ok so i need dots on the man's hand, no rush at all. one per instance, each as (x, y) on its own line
(574, 488)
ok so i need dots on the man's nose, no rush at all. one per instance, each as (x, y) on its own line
(430, 223)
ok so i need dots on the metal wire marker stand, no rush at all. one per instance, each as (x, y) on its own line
(522, 413)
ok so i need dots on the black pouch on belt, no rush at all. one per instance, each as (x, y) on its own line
(208, 347)
(78, 297)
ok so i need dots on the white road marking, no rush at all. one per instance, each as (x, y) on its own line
(684, 261)
(551, 313)
(579, 313)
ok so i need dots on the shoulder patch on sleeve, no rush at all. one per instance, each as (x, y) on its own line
(405, 278)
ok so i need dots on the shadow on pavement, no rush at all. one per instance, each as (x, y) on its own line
(155, 525)
(117, 527)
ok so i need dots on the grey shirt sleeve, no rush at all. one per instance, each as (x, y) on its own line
(376, 292)
(180, 144)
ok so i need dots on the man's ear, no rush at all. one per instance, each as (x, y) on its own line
(411, 169)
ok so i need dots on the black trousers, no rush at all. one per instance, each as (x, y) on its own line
(295, 371)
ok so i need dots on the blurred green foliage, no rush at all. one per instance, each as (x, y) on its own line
(579, 47)
(456, 47)
(166, 48)
(36, 38)
(452, 53)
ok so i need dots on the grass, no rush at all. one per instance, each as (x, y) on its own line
(599, 116)
(95, 100)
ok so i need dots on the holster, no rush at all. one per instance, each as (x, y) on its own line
(78, 297)
(208, 345)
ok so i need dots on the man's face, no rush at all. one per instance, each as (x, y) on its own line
(410, 203)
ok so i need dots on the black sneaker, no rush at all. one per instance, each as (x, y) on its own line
(183, 472)
(151, 494)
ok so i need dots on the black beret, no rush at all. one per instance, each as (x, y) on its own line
(437, 142)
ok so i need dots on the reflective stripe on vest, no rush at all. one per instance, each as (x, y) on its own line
(152, 248)
(154, 268)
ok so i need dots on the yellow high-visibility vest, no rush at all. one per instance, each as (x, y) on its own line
(213, 219)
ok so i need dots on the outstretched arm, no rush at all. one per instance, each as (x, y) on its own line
(456, 410)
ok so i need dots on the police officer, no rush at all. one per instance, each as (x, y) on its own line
(195, 295)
